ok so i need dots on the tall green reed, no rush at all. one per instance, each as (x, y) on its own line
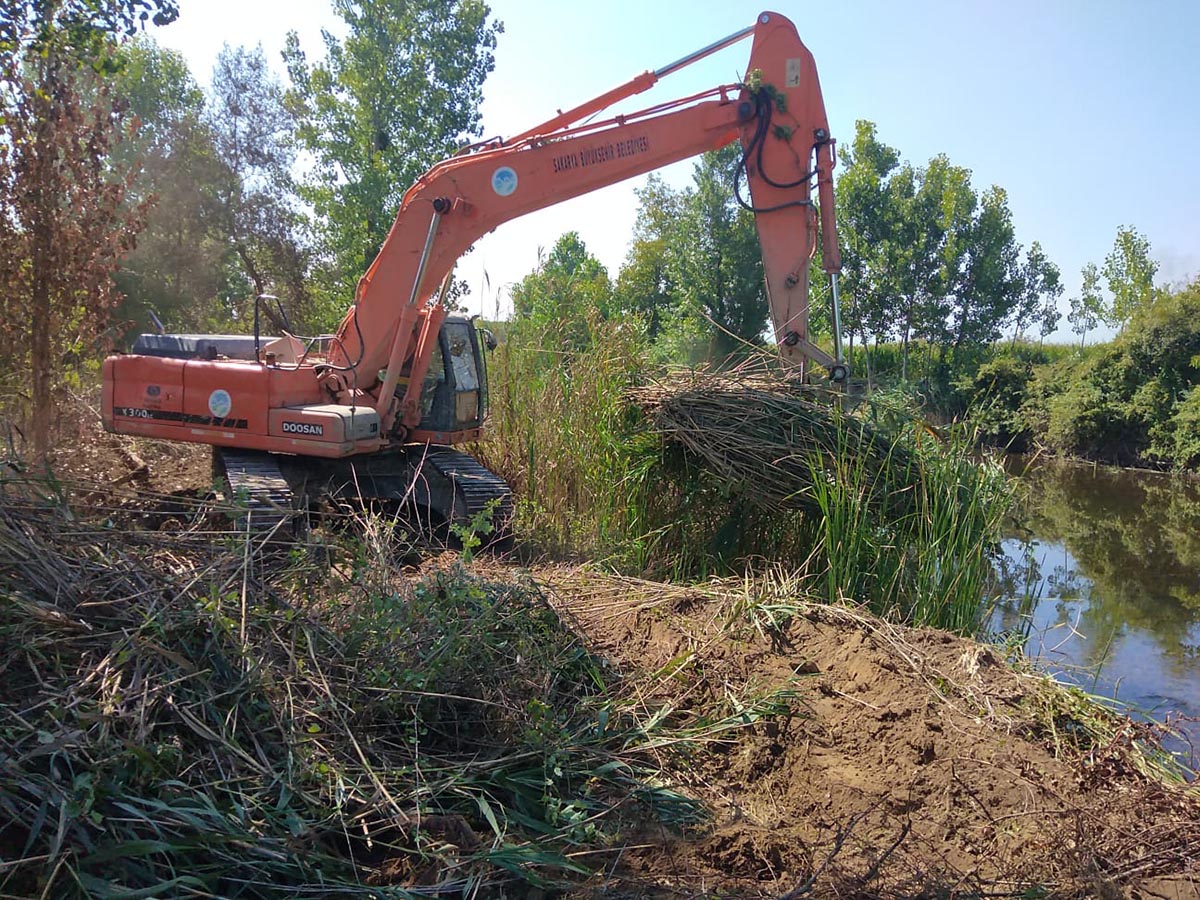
(559, 434)
(894, 516)
(914, 540)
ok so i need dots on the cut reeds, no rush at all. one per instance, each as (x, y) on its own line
(764, 434)
(179, 718)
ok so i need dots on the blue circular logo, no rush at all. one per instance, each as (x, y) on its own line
(219, 403)
(504, 181)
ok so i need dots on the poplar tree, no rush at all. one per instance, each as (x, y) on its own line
(399, 93)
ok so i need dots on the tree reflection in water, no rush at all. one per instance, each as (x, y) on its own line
(1102, 571)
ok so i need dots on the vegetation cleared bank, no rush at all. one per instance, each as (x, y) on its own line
(184, 715)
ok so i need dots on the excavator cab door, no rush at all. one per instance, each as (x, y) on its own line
(454, 396)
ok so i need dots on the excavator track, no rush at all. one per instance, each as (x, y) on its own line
(440, 487)
(476, 489)
(257, 485)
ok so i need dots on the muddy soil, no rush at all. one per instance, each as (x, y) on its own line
(913, 763)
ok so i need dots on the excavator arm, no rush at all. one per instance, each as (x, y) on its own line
(778, 114)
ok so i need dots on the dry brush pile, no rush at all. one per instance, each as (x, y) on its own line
(184, 715)
(871, 504)
(768, 436)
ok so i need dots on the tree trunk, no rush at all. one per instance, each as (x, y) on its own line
(40, 228)
(41, 373)
(867, 354)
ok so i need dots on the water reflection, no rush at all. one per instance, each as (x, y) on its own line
(1101, 580)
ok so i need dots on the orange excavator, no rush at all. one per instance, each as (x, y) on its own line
(374, 410)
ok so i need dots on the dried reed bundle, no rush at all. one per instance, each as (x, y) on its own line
(768, 435)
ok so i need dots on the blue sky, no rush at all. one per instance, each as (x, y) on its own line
(1087, 113)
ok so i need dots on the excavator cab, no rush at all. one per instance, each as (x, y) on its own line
(454, 394)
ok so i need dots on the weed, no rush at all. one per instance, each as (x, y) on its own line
(471, 535)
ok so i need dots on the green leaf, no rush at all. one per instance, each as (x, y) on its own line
(486, 811)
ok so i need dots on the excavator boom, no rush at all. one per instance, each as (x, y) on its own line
(777, 112)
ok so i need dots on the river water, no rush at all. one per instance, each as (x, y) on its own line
(1101, 581)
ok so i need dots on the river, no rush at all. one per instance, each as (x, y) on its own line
(1101, 582)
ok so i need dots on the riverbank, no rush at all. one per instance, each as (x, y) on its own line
(179, 717)
(909, 762)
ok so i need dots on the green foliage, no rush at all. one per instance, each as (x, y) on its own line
(989, 284)
(567, 290)
(82, 28)
(1088, 408)
(914, 540)
(260, 226)
(644, 286)
(180, 266)
(392, 98)
(695, 265)
(1128, 402)
(1088, 309)
(962, 502)
(472, 534)
(927, 257)
(1129, 272)
(595, 479)
(995, 392)
(1041, 286)
(66, 215)
(1186, 428)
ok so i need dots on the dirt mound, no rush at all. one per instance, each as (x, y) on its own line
(87, 454)
(84, 455)
(910, 762)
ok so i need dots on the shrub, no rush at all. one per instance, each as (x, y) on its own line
(996, 391)
(1185, 431)
(1123, 402)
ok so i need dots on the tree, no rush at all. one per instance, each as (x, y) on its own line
(65, 222)
(936, 233)
(394, 97)
(989, 283)
(178, 271)
(1129, 272)
(1088, 309)
(702, 266)
(1048, 316)
(565, 294)
(252, 130)
(866, 215)
(83, 29)
(1039, 288)
(926, 256)
(645, 285)
(717, 260)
